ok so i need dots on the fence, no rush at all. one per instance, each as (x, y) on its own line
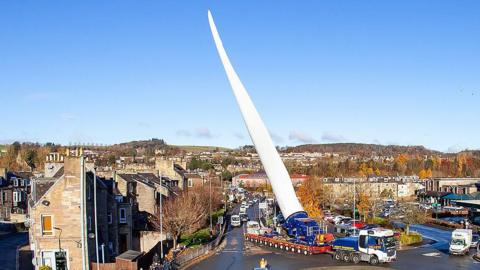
(191, 254)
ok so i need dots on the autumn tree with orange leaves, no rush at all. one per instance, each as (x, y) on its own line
(311, 194)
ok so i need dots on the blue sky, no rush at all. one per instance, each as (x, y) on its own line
(340, 71)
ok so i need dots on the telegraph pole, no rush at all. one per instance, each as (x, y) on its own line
(95, 210)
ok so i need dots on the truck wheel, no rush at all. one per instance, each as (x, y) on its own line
(299, 251)
(346, 257)
(281, 247)
(338, 255)
(305, 252)
(374, 260)
(276, 246)
(355, 258)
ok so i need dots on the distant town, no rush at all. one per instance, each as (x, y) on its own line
(141, 202)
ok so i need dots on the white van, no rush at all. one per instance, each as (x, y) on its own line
(235, 221)
(461, 242)
(253, 227)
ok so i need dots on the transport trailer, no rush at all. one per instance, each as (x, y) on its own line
(282, 243)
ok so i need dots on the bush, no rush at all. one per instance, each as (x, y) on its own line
(380, 221)
(197, 238)
(410, 239)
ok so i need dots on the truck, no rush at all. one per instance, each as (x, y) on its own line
(300, 233)
(374, 246)
(461, 242)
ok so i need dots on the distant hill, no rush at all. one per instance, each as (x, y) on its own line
(363, 149)
(198, 149)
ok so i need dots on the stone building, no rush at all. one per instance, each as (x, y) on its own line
(56, 219)
(173, 169)
(14, 191)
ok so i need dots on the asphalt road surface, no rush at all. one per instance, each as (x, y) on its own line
(8, 249)
(238, 254)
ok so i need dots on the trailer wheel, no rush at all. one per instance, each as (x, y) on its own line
(305, 252)
(338, 255)
(346, 257)
(374, 260)
(299, 251)
(276, 246)
(355, 258)
(281, 247)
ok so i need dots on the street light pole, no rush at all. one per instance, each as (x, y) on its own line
(354, 199)
(210, 204)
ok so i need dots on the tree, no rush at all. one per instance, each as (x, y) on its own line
(410, 214)
(363, 205)
(182, 214)
(309, 194)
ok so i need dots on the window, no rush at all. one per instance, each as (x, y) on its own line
(89, 223)
(123, 216)
(109, 218)
(16, 197)
(15, 182)
(190, 183)
(363, 241)
(110, 246)
(47, 225)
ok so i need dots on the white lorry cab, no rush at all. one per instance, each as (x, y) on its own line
(461, 242)
(235, 221)
(253, 227)
(243, 210)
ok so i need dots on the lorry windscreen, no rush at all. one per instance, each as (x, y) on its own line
(459, 242)
(389, 241)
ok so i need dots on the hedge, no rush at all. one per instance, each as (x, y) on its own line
(410, 239)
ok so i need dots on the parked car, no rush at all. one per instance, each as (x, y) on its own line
(357, 224)
(370, 226)
(338, 219)
(475, 238)
(328, 218)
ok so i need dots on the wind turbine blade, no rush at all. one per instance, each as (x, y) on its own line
(271, 161)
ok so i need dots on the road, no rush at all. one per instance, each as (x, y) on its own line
(8, 249)
(238, 254)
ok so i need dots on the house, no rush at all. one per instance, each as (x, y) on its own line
(62, 218)
(174, 169)
(14, 190)
(260, 179)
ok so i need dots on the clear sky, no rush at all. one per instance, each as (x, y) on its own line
(344, 71)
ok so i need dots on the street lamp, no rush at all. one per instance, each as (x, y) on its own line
(59, 236)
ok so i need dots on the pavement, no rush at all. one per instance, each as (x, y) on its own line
(8, 249)
(238, 254)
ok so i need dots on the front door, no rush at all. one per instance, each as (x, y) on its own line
(48, 259)
(57, 260)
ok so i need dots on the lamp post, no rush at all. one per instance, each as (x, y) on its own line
(210, 204)
(354, 198)
(59, 236)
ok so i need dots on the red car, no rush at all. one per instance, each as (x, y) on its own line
(358, 224)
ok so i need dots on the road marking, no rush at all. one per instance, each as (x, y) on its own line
(432, 254)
